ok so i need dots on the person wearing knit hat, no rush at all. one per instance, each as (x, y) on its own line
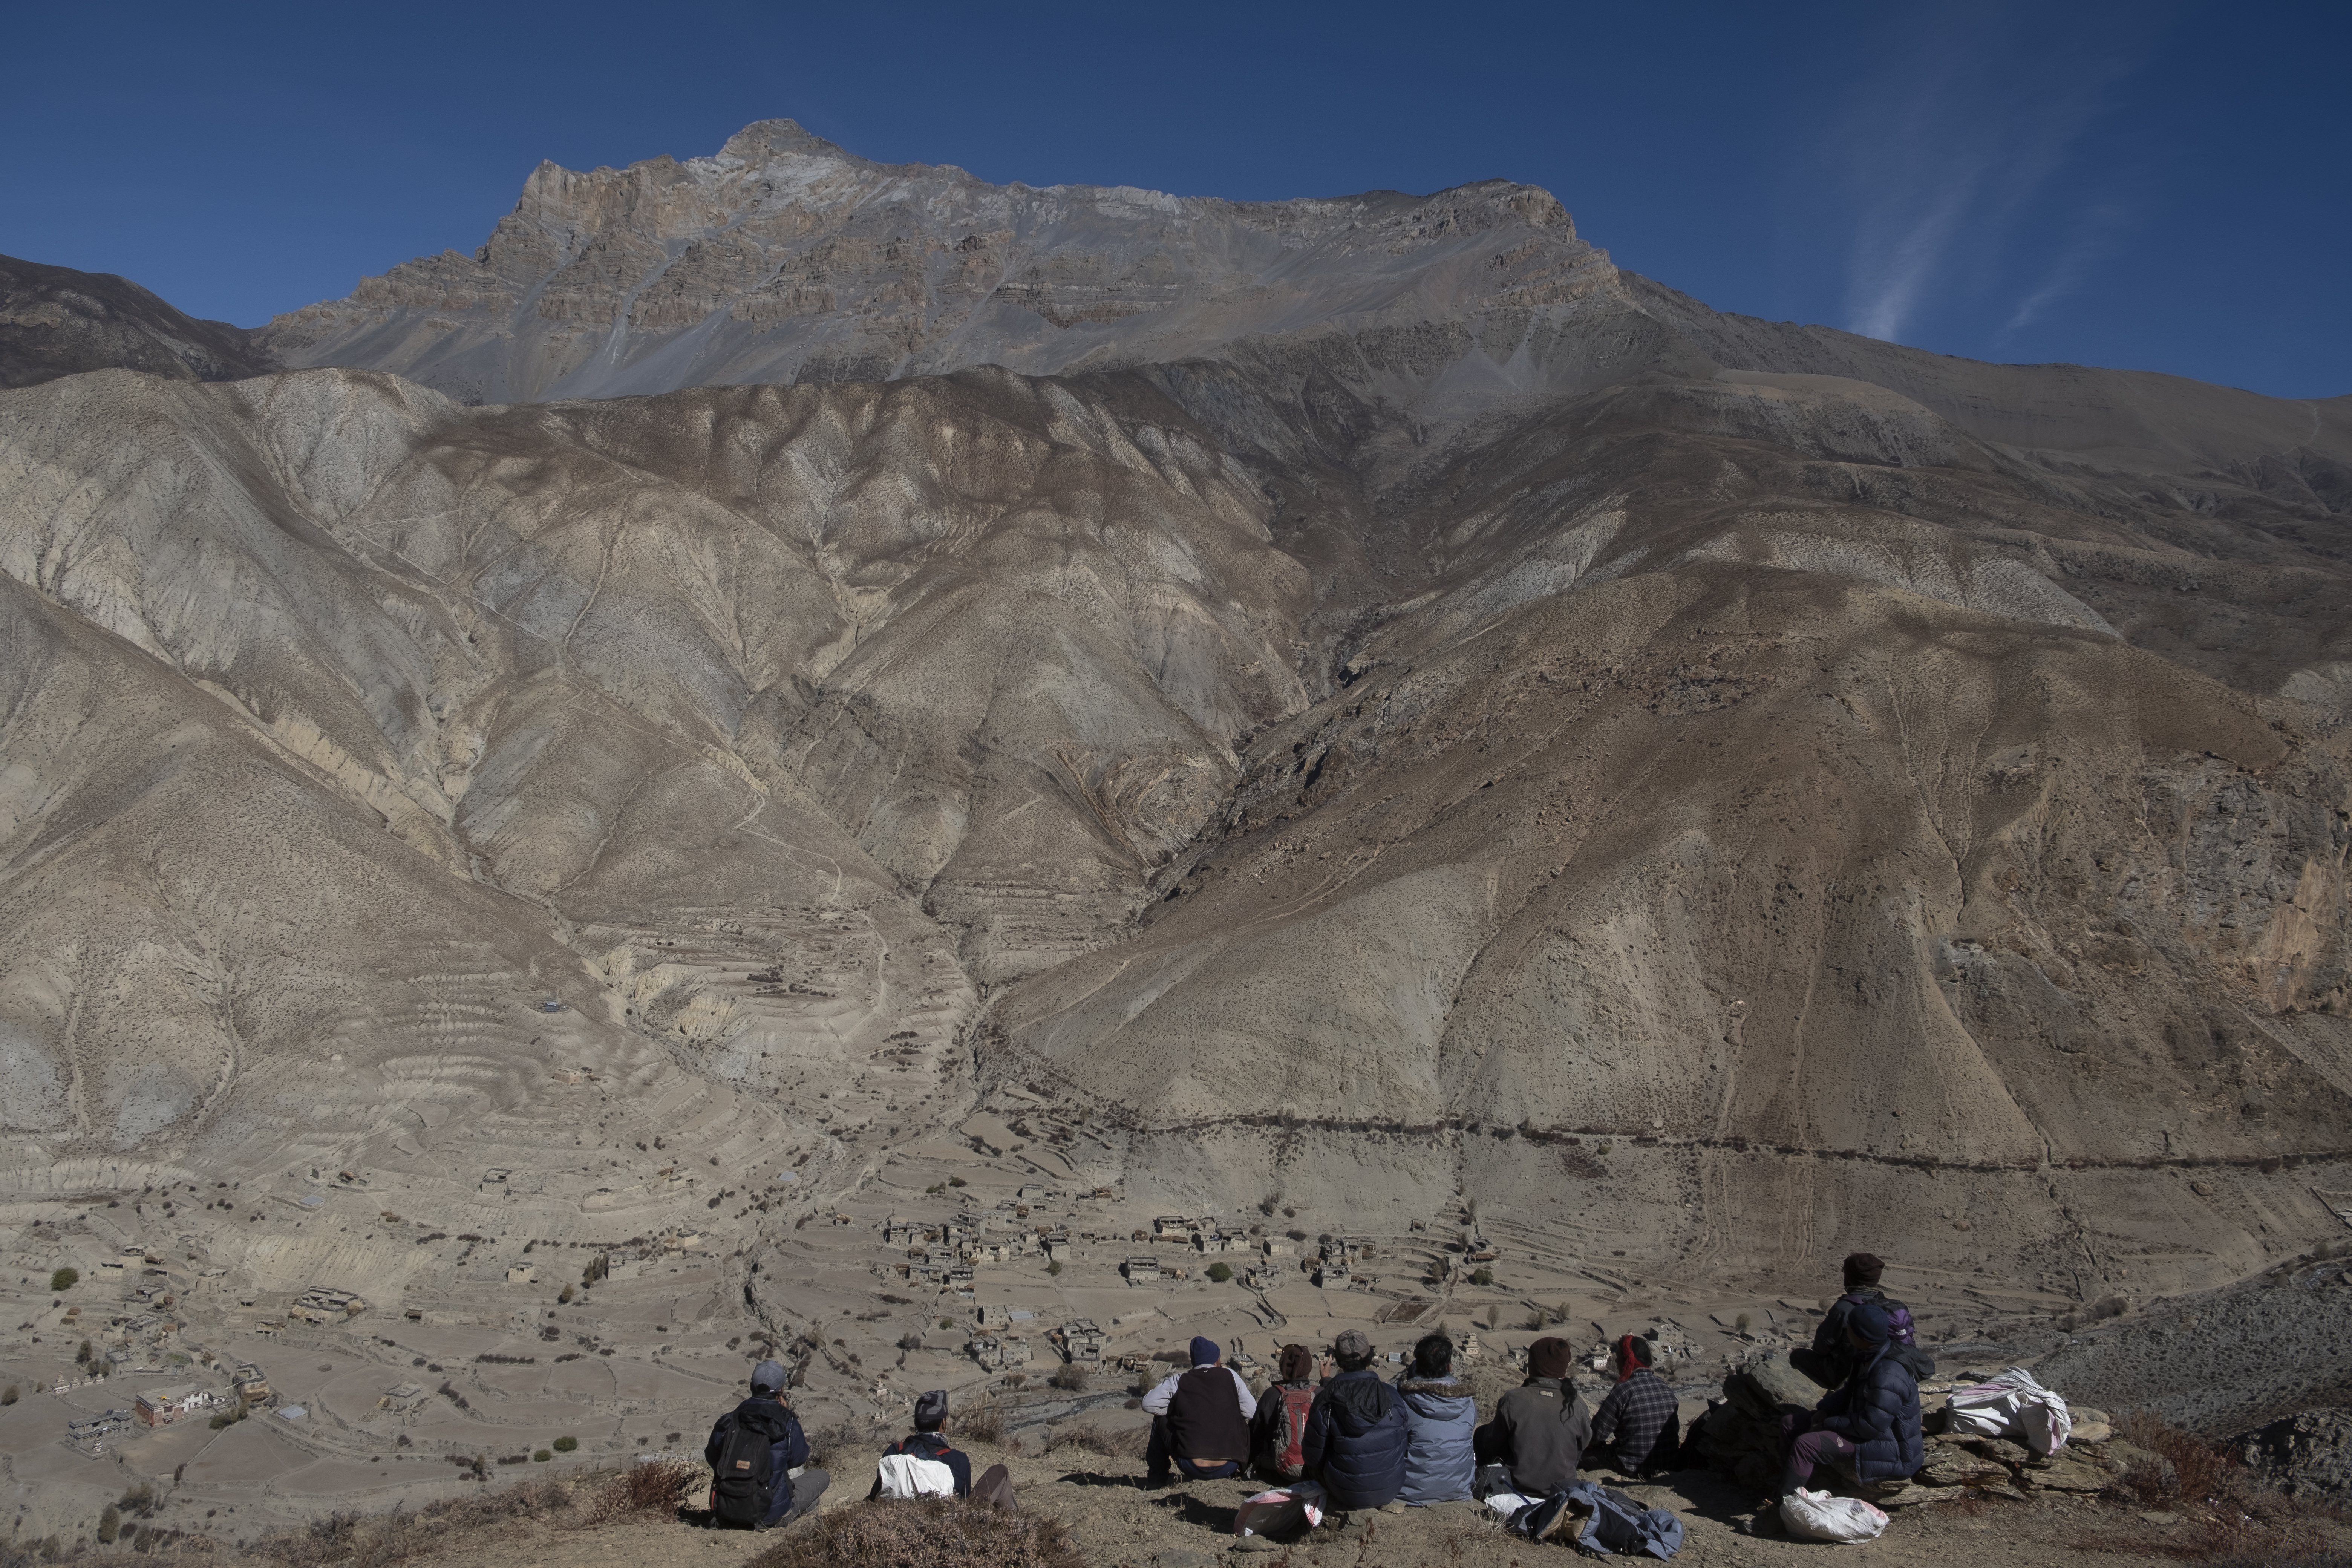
(1200, 1419)
(1867, 1427)
(1540, 1429)
(745, 1490)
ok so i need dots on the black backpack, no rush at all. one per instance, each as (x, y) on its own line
(744, 1486)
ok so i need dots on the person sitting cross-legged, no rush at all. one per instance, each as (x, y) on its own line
(1439, 1418)
(927, 1465)
(1356, 1431)
(1200, 1420)
(761, 1476)
(1636, 1431)
(1540, 1429)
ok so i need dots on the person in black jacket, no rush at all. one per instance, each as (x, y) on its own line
(1356, 1431)
(1829, 1359)
(766, 1413)
(1869, 1426)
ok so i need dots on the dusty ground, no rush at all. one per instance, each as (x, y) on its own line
(1119, 1526)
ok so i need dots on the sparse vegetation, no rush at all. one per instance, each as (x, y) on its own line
(566, 1444)
(1053, 1267)
(982, 1423)
(956, 1182)
(1483, 1277)
(934, 1533)
(1071, 1378)
(109, 1525)
(10, 1394)
(1089, 1438)
(654, 1488)
(228, 1418)
(541, 1457)
(64, 1279)
(564, 1296)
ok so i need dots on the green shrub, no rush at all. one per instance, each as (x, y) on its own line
(64, 1279)
(956, 1181)
(564, 1296)
(565, 1445)
(109, 1525)
(1483, 1277)
(541, 1456)
(1053, 1267)
(1221, 1272)
(10, 1394)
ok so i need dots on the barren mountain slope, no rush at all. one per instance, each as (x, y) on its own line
(1826, 809)
(667, 711)
(1826, 815)
(57, 322)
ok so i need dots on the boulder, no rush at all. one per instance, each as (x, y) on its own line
(2067, 1473)
(2091, 1432)
(1767, 1385)
(1952, 1466)
(2306, 1455)
(1999, 1449)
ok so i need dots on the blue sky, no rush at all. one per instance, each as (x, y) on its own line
(2164, 185)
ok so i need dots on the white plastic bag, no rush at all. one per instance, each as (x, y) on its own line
(2013, 1405)
(1823, 1516)
(1283, 1509)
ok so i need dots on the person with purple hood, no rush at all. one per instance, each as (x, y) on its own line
(1868, 1427)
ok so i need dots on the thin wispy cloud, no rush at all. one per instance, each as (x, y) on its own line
(2094, 238)
(1971, 115)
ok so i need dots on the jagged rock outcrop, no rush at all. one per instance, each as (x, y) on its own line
(57, 322)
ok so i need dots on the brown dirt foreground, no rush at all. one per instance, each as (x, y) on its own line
(1115, 1524)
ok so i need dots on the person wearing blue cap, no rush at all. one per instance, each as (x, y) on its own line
(1200, 1420)
(761, 1476)
(1867, 1426)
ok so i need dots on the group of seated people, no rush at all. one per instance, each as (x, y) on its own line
(1371, 1444)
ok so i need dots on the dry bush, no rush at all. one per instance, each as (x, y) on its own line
(984, 1423)
(352, 1539)
(2233, 1518)
(939, 1533)
(659, 1487)
(845, 1440)
(1070, 1378)
(1089, 1438)
(2200, 1472)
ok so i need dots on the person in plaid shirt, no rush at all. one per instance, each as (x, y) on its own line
(1635, 1432)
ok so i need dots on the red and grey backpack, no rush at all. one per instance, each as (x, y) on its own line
(1290, 1437)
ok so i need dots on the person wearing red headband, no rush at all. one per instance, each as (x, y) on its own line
(1636, 1431)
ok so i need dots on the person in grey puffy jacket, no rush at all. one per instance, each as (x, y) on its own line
(1438, 1420)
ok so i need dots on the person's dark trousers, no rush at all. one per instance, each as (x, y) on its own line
(807, 1486)
(1808, 1448)
(995, 1487)
(1157, 1459)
